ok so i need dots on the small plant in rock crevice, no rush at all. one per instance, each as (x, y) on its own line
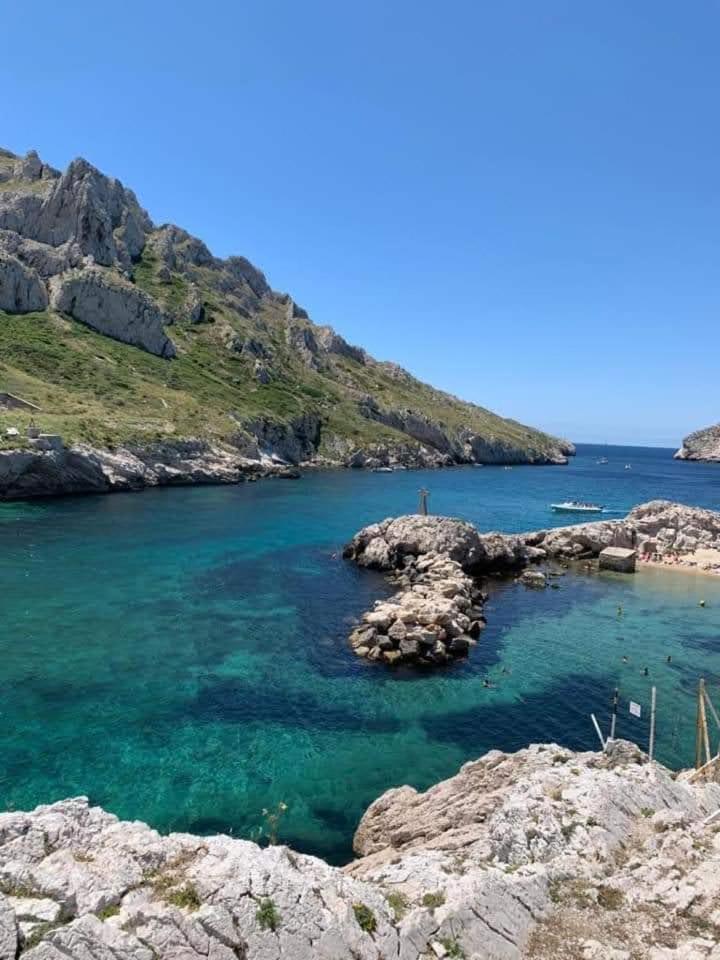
(39, 933)
(365, 917)
(433, 900)
(112, 910)
(398, 903)
(186, 897)
(267, 915)
(452, 949)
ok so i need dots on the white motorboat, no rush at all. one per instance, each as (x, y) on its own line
(576, 506)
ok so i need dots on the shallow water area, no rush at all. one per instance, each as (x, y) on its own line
(181, 656)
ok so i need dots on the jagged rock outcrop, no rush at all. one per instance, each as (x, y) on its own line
(659, 528)
(21, 289)
(496, 450)
(386, 545)
(540, 854)
(525, 855)
(84, 208)
(81, 468)
(293, 441)
(120, 891)
(114, 307)
(701, 445)
(398, 455)
(462, 446)
(331, 342)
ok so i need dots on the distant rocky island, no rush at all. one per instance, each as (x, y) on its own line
(701, 445)
(131, 356)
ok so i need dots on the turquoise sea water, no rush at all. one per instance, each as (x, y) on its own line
(180, 656)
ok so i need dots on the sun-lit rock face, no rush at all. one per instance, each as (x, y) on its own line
(114, 307)
(701, 445)
(541, 854)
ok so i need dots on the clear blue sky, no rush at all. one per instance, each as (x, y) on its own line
(518, 201)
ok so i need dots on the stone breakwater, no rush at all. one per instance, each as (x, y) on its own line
(435, 562)
(542, 854)
(436, 615)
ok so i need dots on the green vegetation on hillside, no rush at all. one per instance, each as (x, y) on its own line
(253, 355)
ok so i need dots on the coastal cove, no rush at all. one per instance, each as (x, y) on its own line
(181, 655)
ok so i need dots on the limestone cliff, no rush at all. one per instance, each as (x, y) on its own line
(542, 854)
(701, 445)
(86, 278)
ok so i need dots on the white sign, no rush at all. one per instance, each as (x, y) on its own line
(635, 709)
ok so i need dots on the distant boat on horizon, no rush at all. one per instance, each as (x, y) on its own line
(602, 460)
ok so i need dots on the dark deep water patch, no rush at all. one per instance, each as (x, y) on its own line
(180, 656)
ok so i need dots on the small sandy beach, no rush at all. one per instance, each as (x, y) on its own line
(705, 562)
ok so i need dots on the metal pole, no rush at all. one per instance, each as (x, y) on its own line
(613, 718)
(598, 730)
(653, 698)
(698, 730)
(703, 721)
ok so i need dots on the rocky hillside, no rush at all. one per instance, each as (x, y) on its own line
(701, 445)
(124, 334)
(543, 854)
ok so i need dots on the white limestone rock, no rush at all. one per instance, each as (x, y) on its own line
(8, 930)
(21, 289)
(114, 307)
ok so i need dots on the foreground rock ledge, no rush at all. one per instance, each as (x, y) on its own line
(544, 853)
(437, 612)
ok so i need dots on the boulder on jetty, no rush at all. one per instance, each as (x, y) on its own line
(386, 545)
(541, 854)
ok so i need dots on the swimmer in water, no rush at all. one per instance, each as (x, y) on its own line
(620, 611)
(702, 603)
(646, 672)
(668, 659)
(486, 682)
(624, 659)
